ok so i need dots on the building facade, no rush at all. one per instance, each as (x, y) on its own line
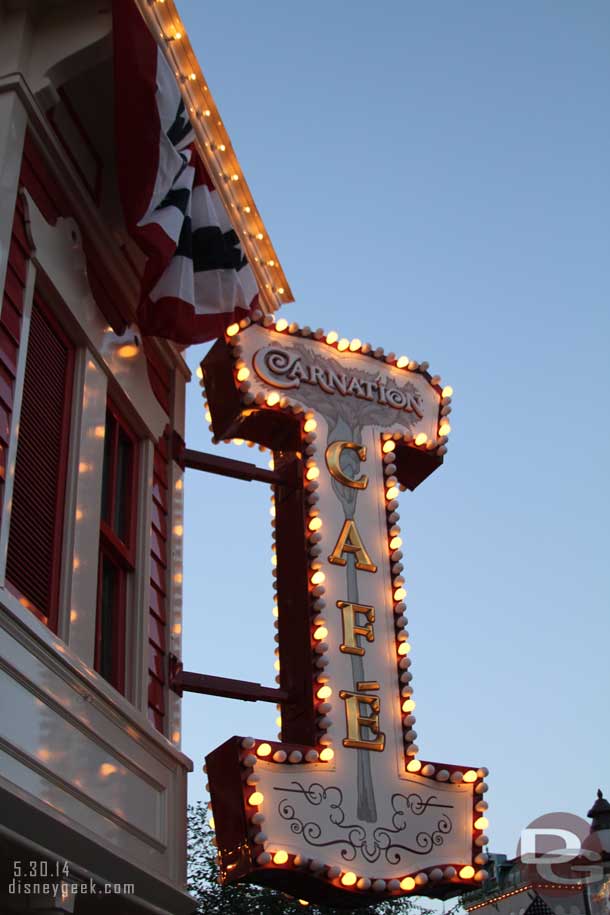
(92, 778)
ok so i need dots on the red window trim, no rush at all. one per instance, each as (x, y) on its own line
(125, 550)
(51, 619)
(120, 553)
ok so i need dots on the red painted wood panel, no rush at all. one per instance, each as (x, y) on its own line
(160, 561)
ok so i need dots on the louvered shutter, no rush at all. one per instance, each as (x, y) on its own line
(34, 548)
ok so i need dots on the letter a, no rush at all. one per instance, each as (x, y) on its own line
(350, 542)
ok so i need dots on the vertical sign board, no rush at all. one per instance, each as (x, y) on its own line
(342, 809)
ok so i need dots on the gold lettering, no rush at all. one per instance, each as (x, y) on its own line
(350, 542)
(333, 462)
(351, 631)
(356, 721)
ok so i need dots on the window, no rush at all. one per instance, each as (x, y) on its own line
(33, 562)
(117, 547)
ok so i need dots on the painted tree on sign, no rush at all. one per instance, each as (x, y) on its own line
(246, 899)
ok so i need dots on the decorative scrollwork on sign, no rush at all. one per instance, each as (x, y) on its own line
(357, 839)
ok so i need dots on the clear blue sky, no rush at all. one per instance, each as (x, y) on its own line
(434, 177)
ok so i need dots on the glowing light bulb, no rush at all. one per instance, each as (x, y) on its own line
(260, 236)
(481, 823)
(447, 391)
(402, 362)
(310, 425)
(343, 344)
(243, 373)
(208, 416)
(349, 878)
(327, 754)
(273, 398)
(395, 543)
(392, 493)
(263, 749)
(403, 649)
(413, 765)
(408, 705)
(320, 633)
(325, 692)
(444, 428)
(421, 438)
(278, 721)
(332, 337)
(313, 473)
(280, 857)
(388, 446)
(467, 873)
(232, 329)
(238, 441)
(408, 883)
(315, 524)
(318, 577)
(193, 77)
(275, 611)
(256, 798)
(470, 776)
(355, 345)
(276, 665)
(282, 324)
(128, 351)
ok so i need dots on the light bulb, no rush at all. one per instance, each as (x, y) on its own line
(256, 799)
(280, 857)
(263, 749)
(273, 398)
(447, 391)
(232, 329)
(282, 324)
(388, 446)
(332, 337)
(327, 754)
(421, 438)
(349, 878)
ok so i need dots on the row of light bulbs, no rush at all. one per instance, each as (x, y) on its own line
(203, 112)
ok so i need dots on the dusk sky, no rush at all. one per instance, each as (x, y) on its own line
(434, 177)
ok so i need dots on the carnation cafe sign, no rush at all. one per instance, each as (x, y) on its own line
(340, 808)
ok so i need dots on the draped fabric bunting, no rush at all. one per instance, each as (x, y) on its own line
(197, 279)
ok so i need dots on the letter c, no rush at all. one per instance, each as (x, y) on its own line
(333, 462)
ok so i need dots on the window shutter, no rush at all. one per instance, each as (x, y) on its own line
(34, 547)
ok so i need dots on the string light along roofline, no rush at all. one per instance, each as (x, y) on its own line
(216, 150)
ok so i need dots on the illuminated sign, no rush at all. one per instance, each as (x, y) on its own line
(341, 809)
